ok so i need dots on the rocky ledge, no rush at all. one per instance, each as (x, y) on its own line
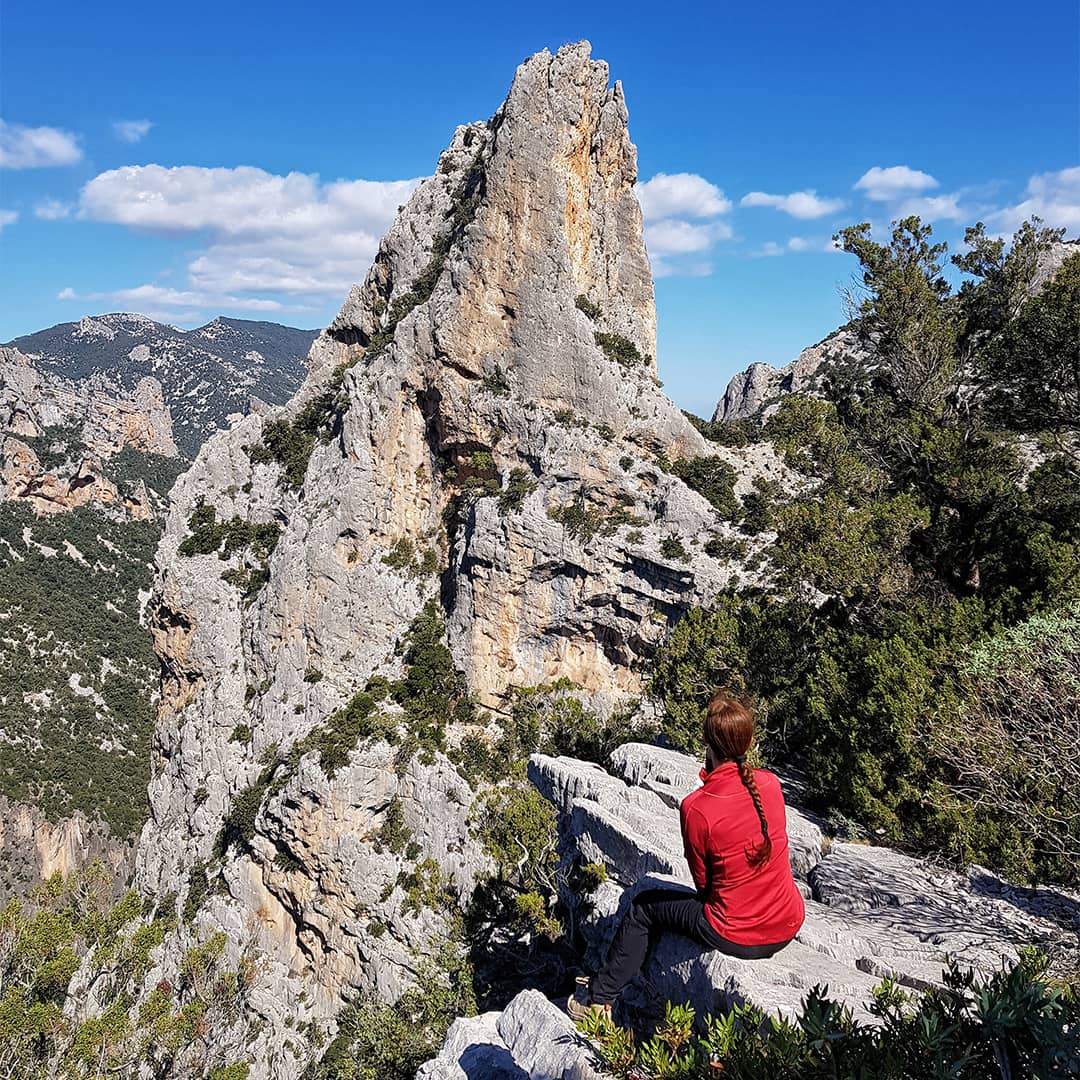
(871, 913)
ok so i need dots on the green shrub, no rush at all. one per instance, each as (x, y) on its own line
(583, 303)
(760, 505)
(1008, 1024)
(519, 486)
(208, 536)
(726, 548)
(583, 521)
(198, 890)
(671, 547)
(714, 479)
(343, 730)
(242, 733)
(496, 382)
(619, 350)
(737, 433)
(313, 675)
(416, 561)
(567, 418)
(393, 834)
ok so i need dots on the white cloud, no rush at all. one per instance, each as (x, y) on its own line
(674, 237)
(680, 195)
(677, 209)
(894, 182)
(799, 204)
(934, 208)
(145, 298)
(131, 131)
(795, 244)
(292, 235)
(35, 148)
(52, 209)
(8, 217)
(1052, 196)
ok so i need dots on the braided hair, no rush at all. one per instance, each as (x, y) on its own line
(729, 731)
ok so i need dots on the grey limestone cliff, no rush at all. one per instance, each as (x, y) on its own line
(487, 400)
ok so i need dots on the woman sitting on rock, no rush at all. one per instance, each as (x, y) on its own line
(734, 831)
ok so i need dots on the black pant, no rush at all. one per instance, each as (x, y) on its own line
(652, 911)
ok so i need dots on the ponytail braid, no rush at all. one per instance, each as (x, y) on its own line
(760, 855)
(729, 732)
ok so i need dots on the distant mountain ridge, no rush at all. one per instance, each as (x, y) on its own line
(206, 374)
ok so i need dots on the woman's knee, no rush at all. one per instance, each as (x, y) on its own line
(643, 905)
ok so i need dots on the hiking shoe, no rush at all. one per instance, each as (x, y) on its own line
(578, 1006)
(578, 1011)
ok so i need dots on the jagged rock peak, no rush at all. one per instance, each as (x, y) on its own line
(757, 390)
(479, 427)
(78, 425)
(537, 208)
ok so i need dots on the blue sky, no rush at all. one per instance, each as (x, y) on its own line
(148, 148)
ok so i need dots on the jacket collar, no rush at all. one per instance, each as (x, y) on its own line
(725, 768)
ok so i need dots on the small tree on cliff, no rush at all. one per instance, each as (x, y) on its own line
(901, 301)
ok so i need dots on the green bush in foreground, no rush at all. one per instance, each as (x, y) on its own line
(1009, 1025)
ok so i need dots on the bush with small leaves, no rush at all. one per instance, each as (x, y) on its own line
(620, 350)
(519, 486)
(1007, 1024)
(584, 304)
(713, 478)
(671, 547)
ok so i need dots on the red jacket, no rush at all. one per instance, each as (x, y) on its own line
(720, 827)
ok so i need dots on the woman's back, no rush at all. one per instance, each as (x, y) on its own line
(746, 904)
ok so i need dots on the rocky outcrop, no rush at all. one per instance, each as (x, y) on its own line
(757, 390)
(531, 1037)
(871, 913)
(56, 435)
(206, 375)
(490, 422)
(32, 848)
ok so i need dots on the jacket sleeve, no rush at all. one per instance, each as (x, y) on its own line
(695, 833)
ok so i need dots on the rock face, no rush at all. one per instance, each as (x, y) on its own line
(32, 848)
(489, 402)
(75, 427)
(205, 374)
(870, 913)
(757, 390)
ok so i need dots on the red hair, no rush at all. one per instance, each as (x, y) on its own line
(729, 731)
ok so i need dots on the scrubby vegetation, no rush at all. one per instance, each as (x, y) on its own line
(711, 477)
(129, 466)
(180, 1030)
(376, 1041)
(584, 304)
(620, 350)
(582, 519)
(76, 725)
(1010, 1024)
(208, 536)
(930, 545)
